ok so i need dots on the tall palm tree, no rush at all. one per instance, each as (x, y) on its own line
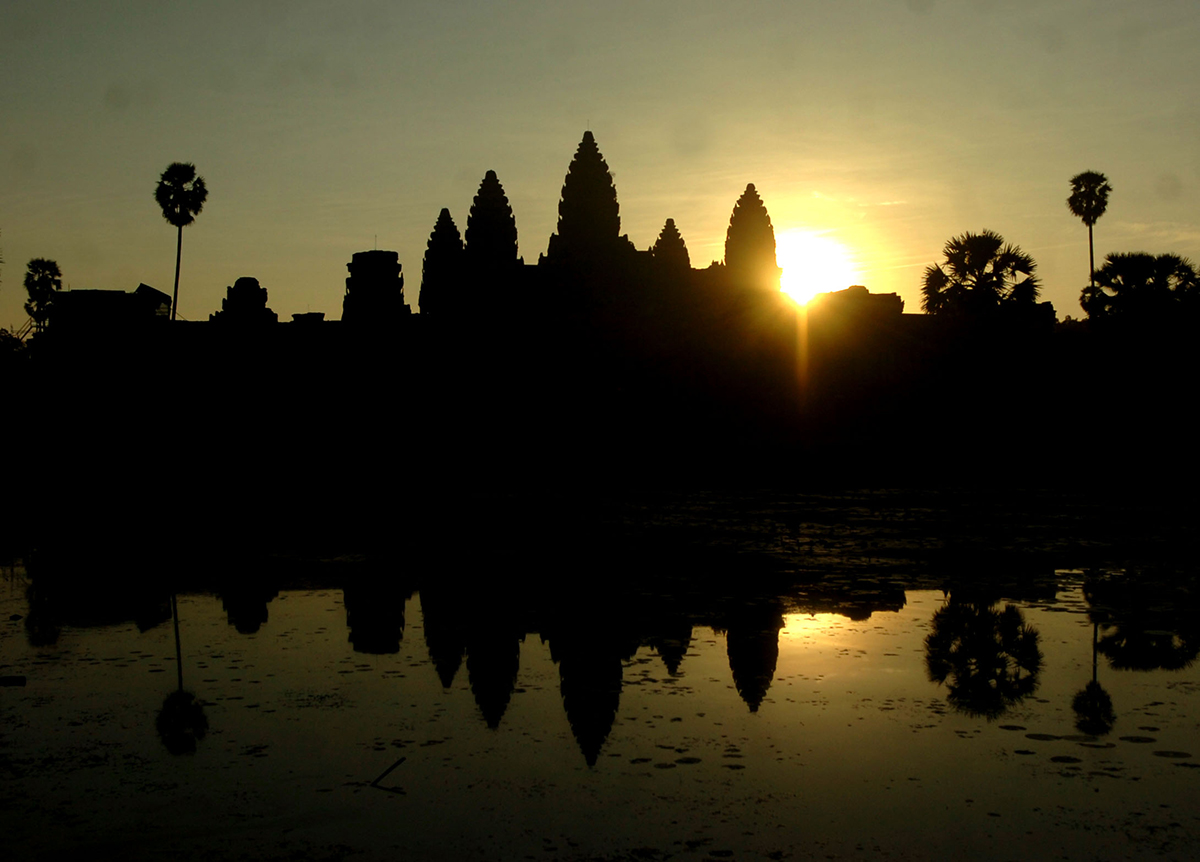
(980, 272)
(1088, 201)
(181, 194)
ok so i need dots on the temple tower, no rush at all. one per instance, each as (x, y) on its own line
(375, 288)
(589, 220)
(750, 243)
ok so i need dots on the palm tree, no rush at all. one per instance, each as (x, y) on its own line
(43, 279)
(1138, 287)
(1088, 201)
(980, 272)
(181, 194)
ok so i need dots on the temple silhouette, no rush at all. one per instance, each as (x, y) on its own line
(597, 363)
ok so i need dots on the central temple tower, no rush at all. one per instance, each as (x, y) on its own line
(589, 219)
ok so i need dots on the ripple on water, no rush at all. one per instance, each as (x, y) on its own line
(1174, 755)
(1138, 739)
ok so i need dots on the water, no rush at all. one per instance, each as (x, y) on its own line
(797, 724)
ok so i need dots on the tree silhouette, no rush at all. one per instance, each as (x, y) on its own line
(980, 273)
(491, 236)
(987, 659)
(181, 194)
(750, 242)
(670, 248)
(442, 268)
(1088, 201)
(10, 347)
(589, 220)
(1140, 287)
(43, 279)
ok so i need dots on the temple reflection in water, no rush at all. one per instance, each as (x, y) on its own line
(985, 656)
(721, 688)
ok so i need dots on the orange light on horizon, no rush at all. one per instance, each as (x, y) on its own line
(813, 263)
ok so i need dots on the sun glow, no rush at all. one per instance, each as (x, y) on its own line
(812, 264)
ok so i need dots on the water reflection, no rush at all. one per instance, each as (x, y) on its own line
(752, 640)
(672, 642)
(89, 603)
(375, 614)
(984, 653)
(987, 658)
(445, 631)
(1146, 622)
(181, 720)
(716, 703)
(1094, 714)
(493, 658)
(590, 653)
(245, 600)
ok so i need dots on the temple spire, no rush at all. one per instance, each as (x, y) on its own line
(670, 248)
(589, 220)
(491, 237)
(750, 242)
(442, 267)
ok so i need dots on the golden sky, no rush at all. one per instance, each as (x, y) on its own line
(885, 126)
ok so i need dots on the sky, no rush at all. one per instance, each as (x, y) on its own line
(874, 128)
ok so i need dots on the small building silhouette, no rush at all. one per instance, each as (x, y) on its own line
(108, 310)
(375, 288)
(245, 302)
(856, 300)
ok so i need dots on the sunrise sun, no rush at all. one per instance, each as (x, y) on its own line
(813, 263)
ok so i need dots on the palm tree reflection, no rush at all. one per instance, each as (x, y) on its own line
(987, 658)
(181, 721)
(1093, 707)
(1145, 623)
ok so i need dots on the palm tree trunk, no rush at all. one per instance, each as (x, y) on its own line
(1091, 261)
(179, 252)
